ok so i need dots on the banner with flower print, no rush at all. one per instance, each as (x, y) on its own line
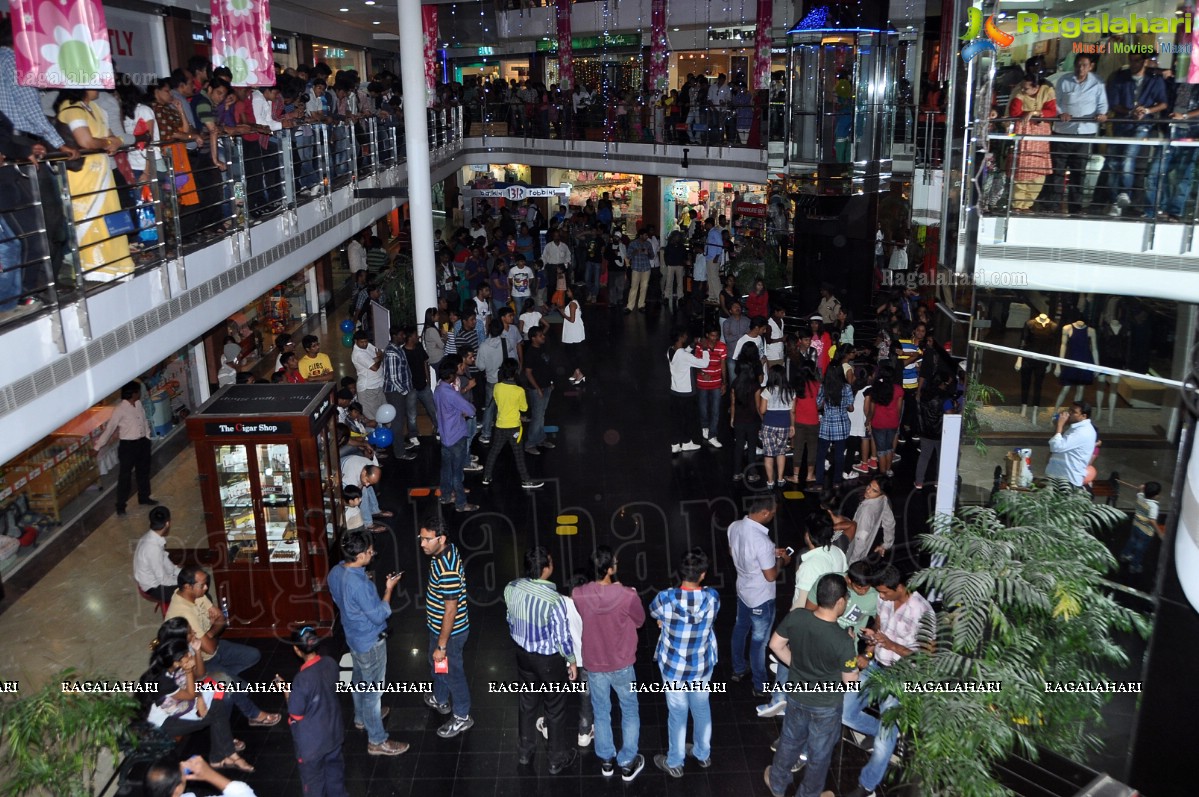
(241, 40)
(428, 18)
(659, 50)
(61, 45)
(762, 42)
(566, 53)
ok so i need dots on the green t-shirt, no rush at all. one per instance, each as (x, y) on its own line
(820, 652)
(859, 609)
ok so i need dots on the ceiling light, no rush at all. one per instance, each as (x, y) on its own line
(343, 9)
(676, 30)
(370, 2)
(376, 22)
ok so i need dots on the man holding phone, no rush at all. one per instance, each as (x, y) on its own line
(364, 617)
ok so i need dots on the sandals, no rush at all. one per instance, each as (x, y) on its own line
(232, 762)
(267, 721)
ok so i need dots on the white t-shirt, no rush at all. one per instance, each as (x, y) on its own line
(529, 321)
(137, 157)
(857, 417)
(363, 359)
(522, 282)
(356, 255)
(774, 349)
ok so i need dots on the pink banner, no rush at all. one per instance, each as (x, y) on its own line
(61, 45)
(762, 42)
(566, 54)
(428, 18)
(241, 40)
(659, 50)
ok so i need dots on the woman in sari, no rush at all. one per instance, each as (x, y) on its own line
(1033, 103)
(102, 256)
(174, 134)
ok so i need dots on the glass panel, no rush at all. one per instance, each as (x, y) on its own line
(330, 486)
(237, 502)
(278, 501)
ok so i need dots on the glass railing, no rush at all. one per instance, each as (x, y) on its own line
(1145, 173)
(73, 235)
(629, 119)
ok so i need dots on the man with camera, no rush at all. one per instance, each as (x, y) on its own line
(364, 616)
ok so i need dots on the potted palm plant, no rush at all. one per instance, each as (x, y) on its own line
(1023, 606)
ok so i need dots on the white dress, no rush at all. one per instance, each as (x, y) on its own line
(572, 331)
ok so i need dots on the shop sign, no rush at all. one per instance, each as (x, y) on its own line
(486, 51)
(731, 34)
(753, 209)
(680, 190)
(272, 427)
(596, 42)
(335, 52)
(778, 51)
(515, 193)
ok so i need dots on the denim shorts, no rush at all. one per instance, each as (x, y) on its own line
(884, 439)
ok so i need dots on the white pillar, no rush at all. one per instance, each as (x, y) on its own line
(200, 373)
(416, 148)
(313, 291)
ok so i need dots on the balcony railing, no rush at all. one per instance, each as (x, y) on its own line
(64, 242)
(1147, 176)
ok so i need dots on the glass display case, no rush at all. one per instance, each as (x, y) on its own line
(269, 477)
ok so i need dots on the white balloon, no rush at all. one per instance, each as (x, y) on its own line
(385, 414)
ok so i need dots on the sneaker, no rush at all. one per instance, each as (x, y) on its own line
(872, 464)
(546, 444)
(675, 448)
(704, 764)
(800, 764)
(585, 737)
(689, 446)
(860, 468)
(608, 768)
(382, 715)
(485, 441)
(660, 763)
(914, 438)
(532, 485)
(564, 762)
(1123, 200)
(532, 452)
(712, 441)
(542, 729)
(704, 433)
(440, 708)
(858, 791)
(773, 709)
(412, 443)
(853, 474)
(474, 458)
(486, 482)
(455, 726)
(468, 508)
(387, 748)
(895, 459)
(630, 771)
(473, 467)
(774, 746)
(407, 456)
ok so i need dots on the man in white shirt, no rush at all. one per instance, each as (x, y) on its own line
(368, 363)
(1070, 450)
(167, 777)
(714, 252)
(356, 255)
(720, 99)
(757, 561)
(556, 253)
(155, 573)
(262, 157)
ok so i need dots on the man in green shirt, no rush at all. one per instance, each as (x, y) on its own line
(820, 657)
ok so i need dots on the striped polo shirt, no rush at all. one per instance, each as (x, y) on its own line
(447, 581)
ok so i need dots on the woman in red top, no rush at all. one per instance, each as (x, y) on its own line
(822, 342)
(757, 303)
(807, 418)
(884, 408)
(1033, 103)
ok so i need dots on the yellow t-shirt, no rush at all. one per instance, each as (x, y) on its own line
(315, 366)
(510, 402)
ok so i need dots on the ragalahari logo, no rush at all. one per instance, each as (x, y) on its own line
(974, 35)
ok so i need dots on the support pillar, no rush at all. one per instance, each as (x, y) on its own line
(416, 137)
(651, 204)
(203, 387)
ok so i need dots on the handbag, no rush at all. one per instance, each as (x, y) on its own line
(119, 223)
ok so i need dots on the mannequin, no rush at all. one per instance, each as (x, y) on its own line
(1114, 339)
(1039, 336)
(1078, 344)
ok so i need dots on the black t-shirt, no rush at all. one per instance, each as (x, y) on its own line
(676, 253)
(593, 250)
(313, 711)
(820, 652)
(537, 360)
(417, 360)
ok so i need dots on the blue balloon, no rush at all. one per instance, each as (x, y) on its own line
(370, 437)
(383, 438)
(347, 326)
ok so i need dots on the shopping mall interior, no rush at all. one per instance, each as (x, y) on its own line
(924, 165)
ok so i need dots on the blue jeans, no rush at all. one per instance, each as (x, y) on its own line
(822, 450)
(592, 278)
(369, 506)
(370, 666)
(709, 410)
(424, 397)
(677, 706)
(452, 687)
(233, 658)
(537, 406)
(600, 686)
(10, 266)
(1134, 550)
(757, 620)
(1125, 156)
(453, 460)
(1180, 162)
(811, 730)
(854, 716)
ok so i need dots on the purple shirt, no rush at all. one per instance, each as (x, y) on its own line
(452, 411)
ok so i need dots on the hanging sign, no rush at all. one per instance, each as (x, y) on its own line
(267, 427)
(515, 193)
(241, 40)
(61, 45)
(428, 18)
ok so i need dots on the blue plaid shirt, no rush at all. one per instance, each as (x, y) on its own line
(397, 378)
(22, 104)
(687, 645)
(834, 421)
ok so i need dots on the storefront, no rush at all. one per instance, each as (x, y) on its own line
(625, 191)
(485, 70)
(339, 57)
(613, 60)
(706, 198)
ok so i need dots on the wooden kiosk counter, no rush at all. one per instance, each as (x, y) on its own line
(271, 486)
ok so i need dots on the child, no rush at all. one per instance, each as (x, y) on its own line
(1144, 526)
(359, 424)
(862, 578)
(351, 496)
(530, 317)
(860, 440)
(540, 284)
